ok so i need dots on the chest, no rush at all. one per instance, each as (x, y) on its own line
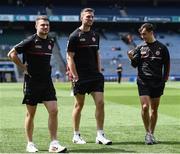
(151, 52)
(90, 40)
(41, 47)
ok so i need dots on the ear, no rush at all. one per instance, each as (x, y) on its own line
(36, 25)
(81, 18)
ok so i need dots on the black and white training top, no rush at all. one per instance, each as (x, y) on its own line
(85, 45)
(152, 61)
(37, 54)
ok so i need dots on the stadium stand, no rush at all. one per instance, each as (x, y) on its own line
(113, 47)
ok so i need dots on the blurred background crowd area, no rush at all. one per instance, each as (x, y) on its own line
(116, 21)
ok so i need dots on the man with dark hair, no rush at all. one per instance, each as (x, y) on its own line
(38, 86)
(84, 64)
(153, 62)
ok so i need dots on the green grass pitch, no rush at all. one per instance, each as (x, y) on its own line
(123, 124)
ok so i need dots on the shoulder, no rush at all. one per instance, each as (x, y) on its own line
(30, 38)
(94, 33)
(74, 36)
(51, 39)
(26, 42)
(75, 33)
(161, 45)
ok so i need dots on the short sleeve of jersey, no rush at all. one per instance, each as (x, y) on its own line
(135, 60)
(166, 54)
(23, 45)
(98, 41)
(72, 44)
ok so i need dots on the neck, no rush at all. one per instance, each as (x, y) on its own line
(151, 40)
(85, 28)
(42, 36)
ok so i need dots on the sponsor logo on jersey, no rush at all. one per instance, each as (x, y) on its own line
(144, 52)
(38, 46)
(82, 39)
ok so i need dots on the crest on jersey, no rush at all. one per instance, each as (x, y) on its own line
(93, 39)
(49, 47)
(157, 53)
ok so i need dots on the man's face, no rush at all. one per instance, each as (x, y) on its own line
(87, 18)
(145, 35)
(42, 27)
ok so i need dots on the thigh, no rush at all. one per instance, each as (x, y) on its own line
(32, 92)
(97, 86)
(38, 92)
(80, 87)
(157, 91)
(145, 100)
(98, 97)
(93, 83)
(31, 110)
(51, 106)
(49, 92)
(79, 100)
(155, 103)
(143, 88)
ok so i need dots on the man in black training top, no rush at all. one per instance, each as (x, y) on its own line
(84, 64)
(38, 86)
(153, 63)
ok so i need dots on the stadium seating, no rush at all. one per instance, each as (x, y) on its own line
(113, 49)
(111, 57)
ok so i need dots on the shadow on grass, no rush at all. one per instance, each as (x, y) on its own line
(128, 143)
(169, 142)
(111, 149)
(142, 143)
(102, 150)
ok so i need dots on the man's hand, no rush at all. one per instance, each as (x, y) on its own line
(24, 67)
(75, 78)
(130, 54)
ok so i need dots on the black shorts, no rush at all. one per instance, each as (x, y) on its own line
(154, 89)
(37, 92)
(89, 84)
